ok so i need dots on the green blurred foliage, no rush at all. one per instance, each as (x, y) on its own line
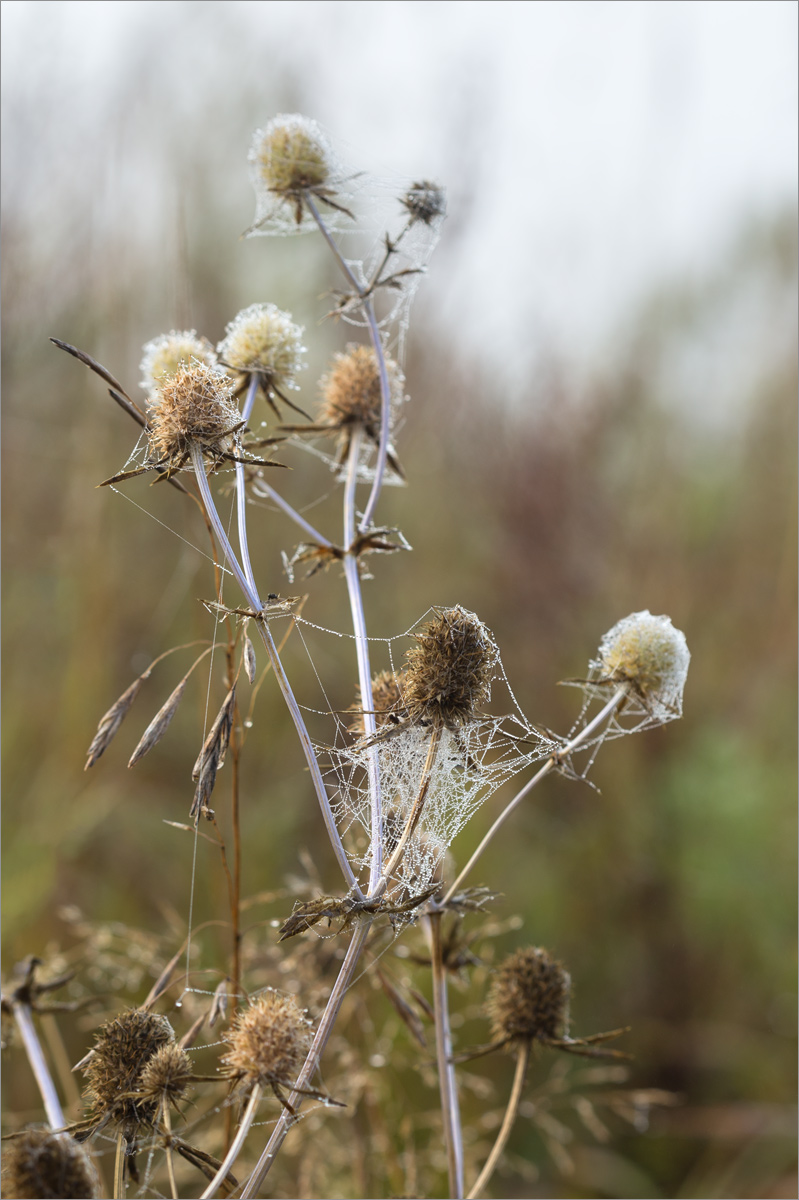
(668, 892)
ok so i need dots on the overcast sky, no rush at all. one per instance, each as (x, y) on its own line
(591, 148)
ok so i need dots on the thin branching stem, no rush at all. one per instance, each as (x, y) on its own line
(30, 1039)
(254, 600)
(511, 1112)
(237, 1143)
(447, 1083)
(353, 578)
(577, 741)
(312, 1060)
(262, 488)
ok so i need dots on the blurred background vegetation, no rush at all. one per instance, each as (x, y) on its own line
(660, 474)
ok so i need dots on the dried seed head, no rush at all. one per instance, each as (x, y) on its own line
(164, 354)
(387, 704)
(449, 669)
(350, 391)
(195, 405)
(425, 202)
(291, 155)
(40, 1163)
(265, 340)
(124, 1047)
(268, 1041)
(651, 655)
(166, 1076)
(529, 997)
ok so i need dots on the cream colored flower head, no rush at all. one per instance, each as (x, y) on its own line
(650, 655)
(291, 158)
(164, 354)
(264, 340)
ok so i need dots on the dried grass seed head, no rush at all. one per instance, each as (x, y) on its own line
(448, 672)
(195, 405)
(40, 1163)
(268, 1041)
(652, 656)
(167, 1075)
(529, 997)
(350, 392)
(166, 353)
(425, 202)
(264, 339)
(124, 1047)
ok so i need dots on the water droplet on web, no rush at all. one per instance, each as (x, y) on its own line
(178, 1004)
(248, 724)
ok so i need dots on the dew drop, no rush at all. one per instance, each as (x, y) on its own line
(248, 724)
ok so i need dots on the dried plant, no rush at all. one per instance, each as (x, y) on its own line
(431, 735)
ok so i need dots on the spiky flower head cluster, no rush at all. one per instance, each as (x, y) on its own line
(529, 998)
(268, 1041)
(449, 669)
(350, 390)
(167, 352)
(167, 1075)
(264, 340)
(40, 1163)
(387, 702)
(124, 1047)
(195, 405)
(288, 159)
(425, 202)
(650, 655)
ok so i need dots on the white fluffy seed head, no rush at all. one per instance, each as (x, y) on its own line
(167, 352)
(262, 338)
(652, 656)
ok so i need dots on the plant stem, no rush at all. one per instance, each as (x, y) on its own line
(262, 488)
(312, 1061)
(450, 1109)
(237, 1143)
(548, 766)
(377, 344)
(119, 1167)
(352, 576)
(254, 600)
(30, 1039)
(507, 1125)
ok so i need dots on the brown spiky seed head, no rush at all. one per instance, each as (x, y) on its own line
(40, 1163)
(350, 391)
(167, 1074)
(529, 997)
(425, 202)
(268, 1041)
(195, 405)
(449, 669)
(123, 1048)
(291, 155)
(387, 702)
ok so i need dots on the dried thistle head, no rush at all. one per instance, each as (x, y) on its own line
(268, 1041)
(40, 1163)
(350, 391)
(290, 159)
(425, 202)
(449, 670)
(195, 405)
(529, 998)
(167, 1075)
(166, 353)
(124, 1047)
(650, 655)
(263, 340)
(387, 702)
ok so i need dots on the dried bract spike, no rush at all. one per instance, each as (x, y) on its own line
(264, 340)
(268, 1041)
(529, 997)
(449, 670)
(425, 202)
(652, 656)
(166, 353)
(123, 1048)
(166, 1076)
(40, 1163)
(195, 405)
